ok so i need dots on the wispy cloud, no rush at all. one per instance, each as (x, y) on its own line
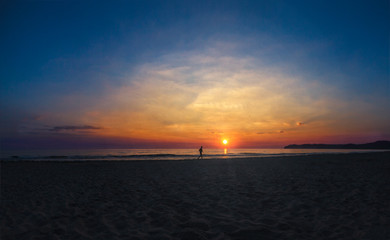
(74, 128)
(186, 94)
(181, 96)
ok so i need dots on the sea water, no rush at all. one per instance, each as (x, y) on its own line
(160, 154)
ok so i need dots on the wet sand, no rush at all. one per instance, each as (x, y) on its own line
(343, 196)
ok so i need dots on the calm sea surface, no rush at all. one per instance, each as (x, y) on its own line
(159, 154)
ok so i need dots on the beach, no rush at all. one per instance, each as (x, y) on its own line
(323, 196)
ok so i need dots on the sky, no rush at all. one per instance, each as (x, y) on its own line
(178, 74)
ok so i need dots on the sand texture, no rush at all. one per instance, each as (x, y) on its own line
(344, 196)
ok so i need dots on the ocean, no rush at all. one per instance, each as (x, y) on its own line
(159, 154)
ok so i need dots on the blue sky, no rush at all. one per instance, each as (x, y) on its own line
(60, 59)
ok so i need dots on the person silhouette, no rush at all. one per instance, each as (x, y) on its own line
(200, 152)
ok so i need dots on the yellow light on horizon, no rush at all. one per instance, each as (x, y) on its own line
(225, 141)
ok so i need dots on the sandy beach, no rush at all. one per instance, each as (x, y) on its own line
(330, 196)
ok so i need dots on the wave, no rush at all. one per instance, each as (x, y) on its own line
(159, 156)
(86, 157)
(133, 156)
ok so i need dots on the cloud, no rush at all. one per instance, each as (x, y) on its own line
(183, 95)
(74, 128)
(204, 95)
(276, 132)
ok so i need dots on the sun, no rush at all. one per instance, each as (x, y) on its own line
(225, 141)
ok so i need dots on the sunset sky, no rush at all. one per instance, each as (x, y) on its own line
(147, 74)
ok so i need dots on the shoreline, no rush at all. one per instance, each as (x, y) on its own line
(63, 159)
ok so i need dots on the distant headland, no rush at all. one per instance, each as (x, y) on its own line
(373, 145)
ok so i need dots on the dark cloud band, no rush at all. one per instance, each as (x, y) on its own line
(74, 128)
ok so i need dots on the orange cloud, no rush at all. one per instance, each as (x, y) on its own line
(200, 97)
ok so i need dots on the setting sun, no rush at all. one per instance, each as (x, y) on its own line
(225, 141)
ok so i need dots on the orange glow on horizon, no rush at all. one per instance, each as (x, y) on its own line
(157, 107)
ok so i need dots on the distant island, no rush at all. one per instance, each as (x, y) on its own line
(373, 145)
